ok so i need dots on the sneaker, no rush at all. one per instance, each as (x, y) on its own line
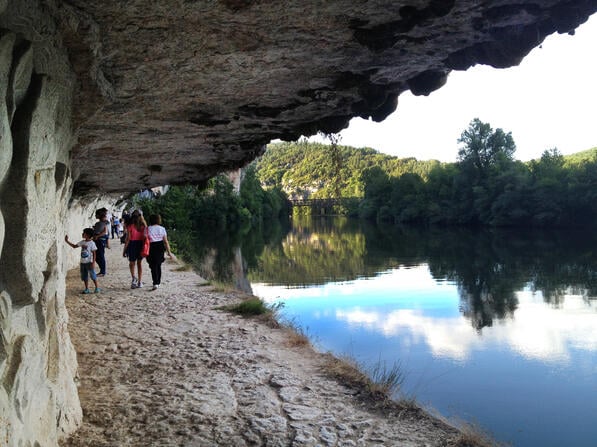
(97, 290)
(134, 283)
(86, 291)
(139, 284)
(155, 287)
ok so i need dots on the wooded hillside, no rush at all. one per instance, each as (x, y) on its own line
(487, 186)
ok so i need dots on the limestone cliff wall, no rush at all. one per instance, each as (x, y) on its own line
(38, 395)
(106, 97)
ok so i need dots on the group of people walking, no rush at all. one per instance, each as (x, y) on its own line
(141, 241)
(145, 241)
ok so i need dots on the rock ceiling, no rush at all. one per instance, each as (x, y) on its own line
(170, 92)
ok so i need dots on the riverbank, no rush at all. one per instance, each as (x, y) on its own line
(167, 368)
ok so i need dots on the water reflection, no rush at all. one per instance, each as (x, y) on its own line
(488, 267)
(314, 252)
(538, 331)
(499, 327)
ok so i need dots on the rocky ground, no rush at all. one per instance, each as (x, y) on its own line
(167, 368)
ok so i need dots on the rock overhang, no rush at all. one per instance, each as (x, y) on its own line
(174, 92)
(108, 97)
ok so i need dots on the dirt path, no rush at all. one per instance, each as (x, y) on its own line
(166, 368)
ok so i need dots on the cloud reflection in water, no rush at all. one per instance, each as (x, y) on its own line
(425, 310)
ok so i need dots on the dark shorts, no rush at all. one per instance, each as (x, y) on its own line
(87, 271)
(133, 251)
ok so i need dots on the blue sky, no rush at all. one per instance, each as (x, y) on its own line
(547, 101)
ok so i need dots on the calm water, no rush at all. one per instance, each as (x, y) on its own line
(494, 327)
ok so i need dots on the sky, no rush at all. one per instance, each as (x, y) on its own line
(548, 101)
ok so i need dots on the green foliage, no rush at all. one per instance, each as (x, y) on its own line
(262, 205)
(588, 156)
(315, 170)
(487, 186)
(191, 212)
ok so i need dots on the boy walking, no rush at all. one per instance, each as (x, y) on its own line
(88, 255)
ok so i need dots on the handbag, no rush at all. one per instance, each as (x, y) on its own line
(145, 249)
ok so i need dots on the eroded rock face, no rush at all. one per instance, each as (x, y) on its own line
(37, 364)
(107, 97)
(173, 91)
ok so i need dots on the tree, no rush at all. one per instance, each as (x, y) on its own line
(483, 159)
(334, 185)
(550, 187)
(378, 190)
(408, 201)
(484, 147)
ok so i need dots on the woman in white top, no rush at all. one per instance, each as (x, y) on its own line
(158, 244)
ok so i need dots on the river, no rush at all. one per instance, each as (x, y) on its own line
(494, 327)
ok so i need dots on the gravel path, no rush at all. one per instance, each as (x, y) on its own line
(166, 368)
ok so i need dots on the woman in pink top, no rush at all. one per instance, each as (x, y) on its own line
(135, 236)
(158, 244)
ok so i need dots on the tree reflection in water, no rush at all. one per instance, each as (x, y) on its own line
(488, 266)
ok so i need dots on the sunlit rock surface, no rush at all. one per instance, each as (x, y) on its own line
(101, 98)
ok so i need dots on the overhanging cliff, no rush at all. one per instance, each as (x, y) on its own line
(108, 97)
(174, 91)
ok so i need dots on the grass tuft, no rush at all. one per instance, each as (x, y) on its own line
(250, 307)
(472, 435)
(296, 335)
(256, 307)
(386, 380)
(346, 370)
(382, 383)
